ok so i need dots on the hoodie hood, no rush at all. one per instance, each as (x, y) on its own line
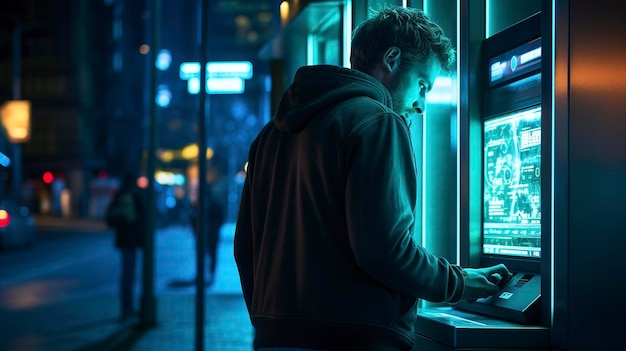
(317, 88)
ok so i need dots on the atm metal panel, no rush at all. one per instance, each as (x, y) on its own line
(460, 329)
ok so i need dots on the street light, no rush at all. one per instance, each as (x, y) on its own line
(15, 115)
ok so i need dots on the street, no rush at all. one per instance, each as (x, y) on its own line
(61, 294)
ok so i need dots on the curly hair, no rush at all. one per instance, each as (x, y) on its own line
(410, 29)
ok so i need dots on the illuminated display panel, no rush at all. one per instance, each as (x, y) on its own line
(512, 184)
(515, 63)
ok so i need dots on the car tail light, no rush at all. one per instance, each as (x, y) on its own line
(5, 218)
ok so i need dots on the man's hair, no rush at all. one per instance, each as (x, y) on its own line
(410, 29)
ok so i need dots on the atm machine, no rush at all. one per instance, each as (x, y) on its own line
(508, 192)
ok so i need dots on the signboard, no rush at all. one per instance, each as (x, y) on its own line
(15, 116)
(225, 77)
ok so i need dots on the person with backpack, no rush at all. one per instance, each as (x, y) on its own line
(126, 216)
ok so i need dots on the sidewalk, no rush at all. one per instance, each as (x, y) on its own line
(91, 324)
(87, 323)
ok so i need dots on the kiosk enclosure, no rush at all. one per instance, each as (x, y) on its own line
(510, 224)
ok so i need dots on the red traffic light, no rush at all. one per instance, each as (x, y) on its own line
(47, 177)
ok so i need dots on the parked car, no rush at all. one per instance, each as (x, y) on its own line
(17, 226)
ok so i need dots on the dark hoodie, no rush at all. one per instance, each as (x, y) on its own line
(324, 241)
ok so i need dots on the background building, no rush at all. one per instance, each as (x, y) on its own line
(86, 68)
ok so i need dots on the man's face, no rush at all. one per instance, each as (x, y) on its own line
(409, 84)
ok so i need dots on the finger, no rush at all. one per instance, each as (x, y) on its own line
(500, 269)
(495, 278)
(506, 274)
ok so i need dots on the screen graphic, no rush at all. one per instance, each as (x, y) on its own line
(512, 184)
(514, 63)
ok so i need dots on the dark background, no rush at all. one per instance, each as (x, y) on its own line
(80, 66)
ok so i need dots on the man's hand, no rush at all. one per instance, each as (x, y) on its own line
(483, 282)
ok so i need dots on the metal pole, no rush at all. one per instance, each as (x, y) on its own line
(17, 62)
(201, 235)
(18, 30)
(148, 301)
(17, 95)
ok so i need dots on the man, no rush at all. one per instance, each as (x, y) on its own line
(324, 240)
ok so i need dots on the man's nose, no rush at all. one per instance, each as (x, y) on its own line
(419, 105)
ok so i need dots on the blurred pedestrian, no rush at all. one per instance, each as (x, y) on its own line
(126, 215)
(214, 221)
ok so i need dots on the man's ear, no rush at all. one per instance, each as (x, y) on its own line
(391, 59)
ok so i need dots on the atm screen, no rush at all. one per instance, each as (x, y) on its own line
(512, 186)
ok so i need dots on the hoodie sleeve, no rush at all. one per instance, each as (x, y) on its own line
(243, 243)
(381, 196)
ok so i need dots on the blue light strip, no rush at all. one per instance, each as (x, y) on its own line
(487, 18)
(424, 172)
(310, 48)
(5, 161)
(458, 136)
(552, 201)
(347, 32)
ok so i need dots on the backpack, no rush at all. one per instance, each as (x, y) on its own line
(121, 211)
